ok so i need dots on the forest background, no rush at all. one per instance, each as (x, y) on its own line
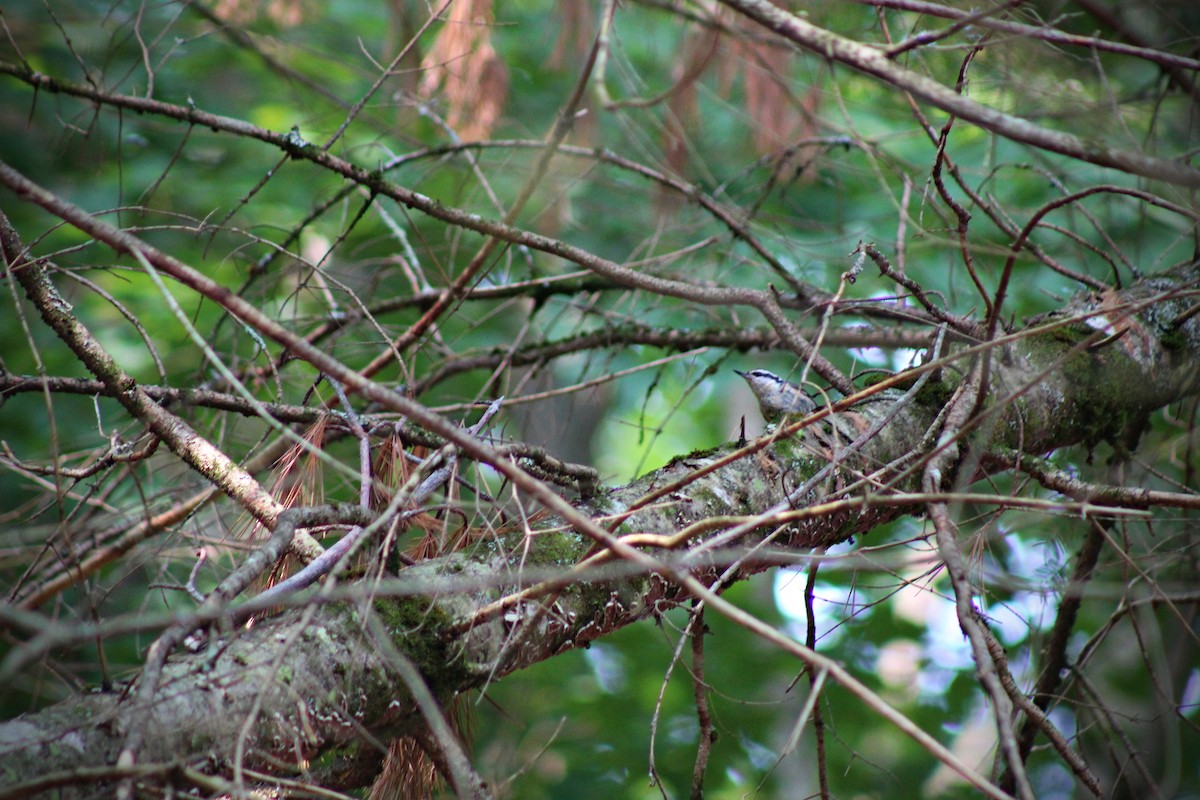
(597, 212)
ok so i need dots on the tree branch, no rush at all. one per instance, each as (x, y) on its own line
(875, 62)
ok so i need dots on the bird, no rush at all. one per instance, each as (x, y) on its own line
(776, 396)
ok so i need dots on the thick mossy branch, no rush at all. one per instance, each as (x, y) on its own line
(1124, 355)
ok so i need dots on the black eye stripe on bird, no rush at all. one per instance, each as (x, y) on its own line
(777, 397)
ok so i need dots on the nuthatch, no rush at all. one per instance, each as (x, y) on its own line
(776, 396)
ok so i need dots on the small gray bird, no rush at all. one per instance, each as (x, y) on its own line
(777, 397)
